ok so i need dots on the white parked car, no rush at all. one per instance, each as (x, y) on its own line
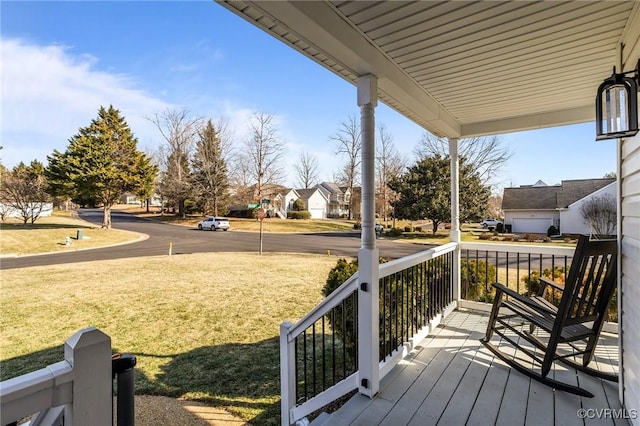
(379, 228)
(214, 223)
(490, 223)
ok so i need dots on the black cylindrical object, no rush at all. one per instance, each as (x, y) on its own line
(122, 369)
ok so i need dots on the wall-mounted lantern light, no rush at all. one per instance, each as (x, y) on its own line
(617, 105)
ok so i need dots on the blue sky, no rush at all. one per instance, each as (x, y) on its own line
(62, 60)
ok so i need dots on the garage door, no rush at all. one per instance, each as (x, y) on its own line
(531, 225)
(317, 213)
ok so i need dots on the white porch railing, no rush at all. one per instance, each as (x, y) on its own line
(78, 389)
(319, 354)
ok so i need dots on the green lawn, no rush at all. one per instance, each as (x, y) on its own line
(203, 326)
(48, 234)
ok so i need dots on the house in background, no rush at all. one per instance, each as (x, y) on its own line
(534, 208)
(339, 198)
(315, 201)
(29, 209)
(129, 198)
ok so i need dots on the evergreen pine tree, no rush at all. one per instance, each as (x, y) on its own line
(425, 192)
(101, 163)
(209, 169)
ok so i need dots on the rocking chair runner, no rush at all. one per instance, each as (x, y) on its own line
(577, 321)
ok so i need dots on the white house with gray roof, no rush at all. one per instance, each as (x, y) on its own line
(315, 201)
(534, 208)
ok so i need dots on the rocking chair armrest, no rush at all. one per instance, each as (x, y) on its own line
(504, 289)
(519, 297)
(544, 282)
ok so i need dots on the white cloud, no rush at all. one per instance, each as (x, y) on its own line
(48, 93)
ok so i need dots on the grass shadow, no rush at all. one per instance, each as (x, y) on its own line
(13, 367)
(242, 378)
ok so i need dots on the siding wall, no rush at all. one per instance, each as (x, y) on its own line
(289, 198)
(317, 205)
(630, 271)
(571, 220)
(629, 175)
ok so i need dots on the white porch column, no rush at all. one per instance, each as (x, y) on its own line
(454, 234)
(368, 299)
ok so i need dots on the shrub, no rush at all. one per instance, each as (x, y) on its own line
(343, 320)
(190, 207)
(298, 214)
(418, 228)
(552, 231)
(485, 236)
(298, 205)
(532, 281)
(246, 213)
(408, 229)
(394, 232)
(612, 314)
(357, 225)
(530, 238)
(339, 274)
(476, 277)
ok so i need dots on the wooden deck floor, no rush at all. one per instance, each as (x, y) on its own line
(451, 379)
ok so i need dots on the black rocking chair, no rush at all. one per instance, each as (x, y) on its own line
(576, 321)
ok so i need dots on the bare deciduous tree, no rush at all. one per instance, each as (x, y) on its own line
(307, 170)
(494, 207)
(486, 154)
(239, 179)
(23, 189)
(264, 150)
(348, 138)
(389, 165)
(178, 130)
(600, 213)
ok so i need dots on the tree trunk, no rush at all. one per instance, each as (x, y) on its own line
(106, 219)
(435, 224)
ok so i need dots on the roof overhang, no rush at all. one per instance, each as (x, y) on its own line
(469, 68)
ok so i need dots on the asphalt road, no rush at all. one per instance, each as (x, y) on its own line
(189, 240)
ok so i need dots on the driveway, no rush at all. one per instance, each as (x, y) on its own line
(186, 240)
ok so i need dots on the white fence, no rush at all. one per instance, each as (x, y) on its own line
(78, 389)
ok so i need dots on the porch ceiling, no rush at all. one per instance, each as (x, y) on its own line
(463, 68)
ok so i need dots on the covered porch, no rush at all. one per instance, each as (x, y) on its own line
(451, 379)
(458, 69)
